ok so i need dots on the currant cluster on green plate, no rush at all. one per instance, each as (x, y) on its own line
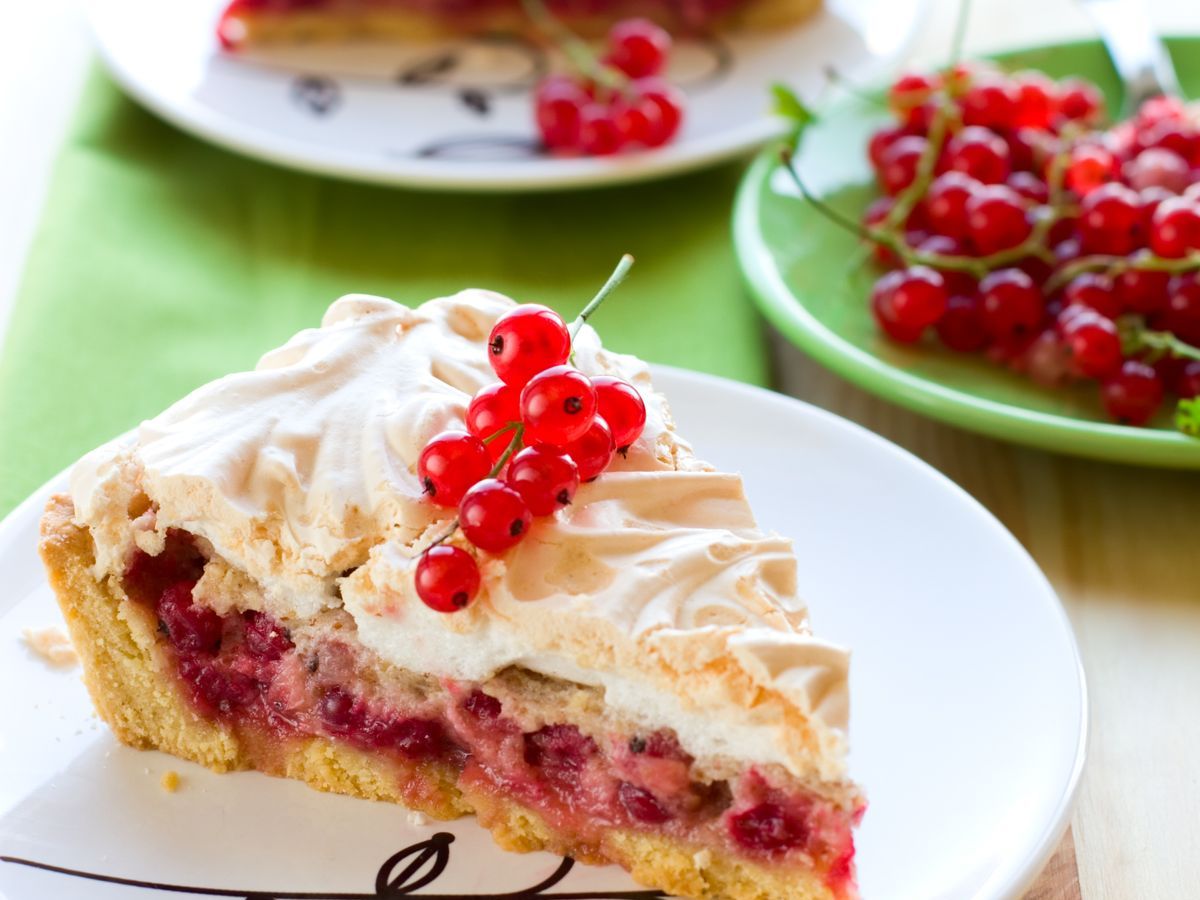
(1015, 226)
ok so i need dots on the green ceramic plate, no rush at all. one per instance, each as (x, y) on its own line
(811, 279)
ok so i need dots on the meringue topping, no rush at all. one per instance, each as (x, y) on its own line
(656, 584)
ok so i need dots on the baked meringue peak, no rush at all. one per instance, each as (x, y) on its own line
(655, 584)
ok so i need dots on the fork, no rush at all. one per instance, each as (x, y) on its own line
(1137, 52)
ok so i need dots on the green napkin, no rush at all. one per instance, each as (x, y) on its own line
(162, 262)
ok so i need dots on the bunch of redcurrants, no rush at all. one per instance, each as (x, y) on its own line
(530, 440)
(632, 107)
(1015, 226)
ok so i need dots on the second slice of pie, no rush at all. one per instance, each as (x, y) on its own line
(635, 682)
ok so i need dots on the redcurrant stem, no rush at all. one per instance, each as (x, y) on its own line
(513, 446)
(837, 78)
(911, 195)
(614, 279)
(1115, 265)
(787, 157)
(581, 56)
(960, 33)
(1159, 343)
(507, 428)
(978, 266)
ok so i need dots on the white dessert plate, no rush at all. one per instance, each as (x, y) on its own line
(457, 114)
(969, 710)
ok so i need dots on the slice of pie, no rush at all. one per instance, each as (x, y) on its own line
(246, 22)
(635, 682)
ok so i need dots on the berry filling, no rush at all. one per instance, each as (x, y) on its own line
(245, 670)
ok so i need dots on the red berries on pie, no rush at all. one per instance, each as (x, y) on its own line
(451, 463)
(447, 578)
(493, 516)
(558, 406)
(593, 450)
(545, 477)
(527, 341)
(621, 407)
(531, 440)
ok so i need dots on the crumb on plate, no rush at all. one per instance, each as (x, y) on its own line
(52, 645)
(170, 781)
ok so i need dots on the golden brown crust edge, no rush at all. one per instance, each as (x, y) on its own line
(126, 673)
(264, 27)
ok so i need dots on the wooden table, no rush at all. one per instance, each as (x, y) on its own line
(1121, 544)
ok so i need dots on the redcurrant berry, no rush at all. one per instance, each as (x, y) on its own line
(908, 301)
(909, 92)
(1109, 220)
(1090, 166)
(492, 410)
(1133, 395)
(1181, 314)
(979, 153)
(657, 94)
(1011, 304)
(1046, 360)
(1149, 199)
(557, 406)
(876, 214)
(526, 340)
(493, 516)
(622, 408)
(946, 203)
(961, 327)
(1037, 100)
(1029, 186)
(599, 132)
(1158, 167)
(992, 103)
(1142, 290)
(450, 463)
(558, 104)
(996, 220)
(1177, 136)
(1175, 229)
(1187, 380)
(638, 47)
(1080, 101)
(447, 578)
(900, 164)
(881, 141)
(594, 450)
(638, 122)
(1094, 344)
(1095, 291)
(545, 477)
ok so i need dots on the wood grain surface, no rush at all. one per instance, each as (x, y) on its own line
(1060, 879)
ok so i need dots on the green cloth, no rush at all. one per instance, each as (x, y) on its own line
(162, 262)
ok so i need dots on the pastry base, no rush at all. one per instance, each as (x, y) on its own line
(249, 28)
(132, 682)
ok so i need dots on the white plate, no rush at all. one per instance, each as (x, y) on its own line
(458, 114)
(969, 712)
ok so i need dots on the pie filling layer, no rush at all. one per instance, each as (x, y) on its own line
(250, 673)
